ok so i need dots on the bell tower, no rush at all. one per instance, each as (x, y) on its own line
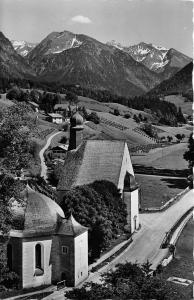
(76, 131)
(131, 199)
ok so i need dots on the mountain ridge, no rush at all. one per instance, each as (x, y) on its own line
(12, 65)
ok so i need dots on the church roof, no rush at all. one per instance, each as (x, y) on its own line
(71, 227)
(38, 215)
(93, 160)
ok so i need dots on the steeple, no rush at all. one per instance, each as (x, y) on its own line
(76, 131)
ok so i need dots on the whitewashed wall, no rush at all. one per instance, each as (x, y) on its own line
(28, 265)
(81, 257)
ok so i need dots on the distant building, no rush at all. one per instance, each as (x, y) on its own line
(56, 118)
(93, 160)
(64, 108)
(44, 247)
(59, 151)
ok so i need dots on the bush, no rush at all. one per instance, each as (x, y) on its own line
(116, 112)
(93, 117)
(63, 140)
(99, 207)
(127, 116)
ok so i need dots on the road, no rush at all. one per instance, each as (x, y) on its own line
(41, 155)
(146, 243)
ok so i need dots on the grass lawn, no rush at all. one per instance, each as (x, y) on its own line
(164, 158)
(182, 265)
(156, 190)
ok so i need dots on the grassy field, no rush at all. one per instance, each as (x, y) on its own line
(166, 189)
(93, 104)
(179, 101)
(164, 158)
(182, 265)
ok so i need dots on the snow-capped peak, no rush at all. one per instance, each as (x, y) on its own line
(64, 45)
(18, 43)
(161, 48)
(23, 47)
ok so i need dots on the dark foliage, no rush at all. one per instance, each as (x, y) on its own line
(99, 207)
(189, 154)
(128, 281)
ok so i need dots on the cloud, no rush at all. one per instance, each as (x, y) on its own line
(81, 19)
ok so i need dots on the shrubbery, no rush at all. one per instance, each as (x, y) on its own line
(99, 207)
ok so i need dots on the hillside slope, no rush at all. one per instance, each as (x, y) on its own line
(12, 65)
(181, 83)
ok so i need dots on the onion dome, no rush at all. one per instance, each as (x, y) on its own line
(130, 183)
(38, 215)
(76, 120)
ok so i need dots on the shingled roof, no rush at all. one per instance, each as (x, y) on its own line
(39, 215)
(71, 227)
(93, 160)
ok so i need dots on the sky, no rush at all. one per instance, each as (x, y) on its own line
(165, 23)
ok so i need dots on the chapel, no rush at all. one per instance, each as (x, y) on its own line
(45, 247)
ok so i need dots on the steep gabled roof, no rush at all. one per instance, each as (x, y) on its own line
(93, 160)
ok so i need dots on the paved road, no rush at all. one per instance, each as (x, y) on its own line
(146, 243)
(41, 154)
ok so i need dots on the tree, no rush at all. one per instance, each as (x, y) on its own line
(146, 268)
(170, 138)
(189, 154)
(127, 281)
(180, 117)
(135, 117)
(116, 112)
(9, 188)
(14, 94)
(71, 97)
(16, 127)
(99, 207)
(93, 117)
(178, 136)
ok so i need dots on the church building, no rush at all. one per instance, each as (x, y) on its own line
(45, 247)
(91, 160)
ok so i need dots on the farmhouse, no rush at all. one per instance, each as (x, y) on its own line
(45, 247)
(56, 118)
(91, 160)
(59, 151)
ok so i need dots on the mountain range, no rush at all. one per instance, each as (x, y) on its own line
(161, 60)
(66, 58)
(23, 47)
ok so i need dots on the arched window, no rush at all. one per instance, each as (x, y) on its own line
(39, 263)
(9, 256)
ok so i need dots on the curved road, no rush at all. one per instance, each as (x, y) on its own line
(41, 155)
(146, 242)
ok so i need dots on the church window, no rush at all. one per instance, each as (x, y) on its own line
(65, 250)
(9, 256)
(39, 260)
